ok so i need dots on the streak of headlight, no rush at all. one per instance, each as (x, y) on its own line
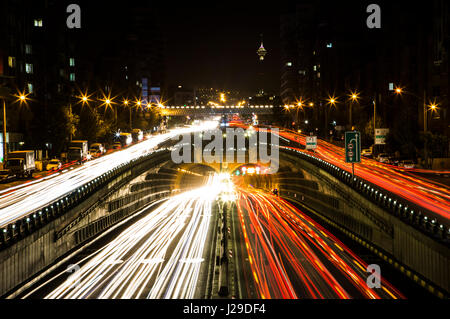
(18, 201)
(144, 253)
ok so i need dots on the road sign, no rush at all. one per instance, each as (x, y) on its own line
(380, 136)
(353, 147)
(311, 142)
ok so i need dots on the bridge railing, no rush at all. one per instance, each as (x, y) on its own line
(35, 220)
(410, 213)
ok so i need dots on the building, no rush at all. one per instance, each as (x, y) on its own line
(328, 51)
(37, 57)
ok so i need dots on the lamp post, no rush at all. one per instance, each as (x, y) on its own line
(4, 130)
(125, 102)
(332, 101)
(433, 107)
(22, 98)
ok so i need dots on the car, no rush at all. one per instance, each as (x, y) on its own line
(407, 164)
(97, 149)
(117, 146)
(383, 158)
(394, 161)
(4, 175)
(366, 153)
(54, 165)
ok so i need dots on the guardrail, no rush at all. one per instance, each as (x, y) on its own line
(35, 220)
(410, 213)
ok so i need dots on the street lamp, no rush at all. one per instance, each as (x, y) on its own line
(354, 98)
(126, 104)
(332, 102)
(433, 107)
(22, 98)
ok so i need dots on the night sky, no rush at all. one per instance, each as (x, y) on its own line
(215, 44)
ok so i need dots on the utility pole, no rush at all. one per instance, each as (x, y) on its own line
(374, 116)
(425, 128)
(131, 127)
(4, 131)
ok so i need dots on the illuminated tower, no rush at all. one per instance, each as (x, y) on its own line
(261, 51)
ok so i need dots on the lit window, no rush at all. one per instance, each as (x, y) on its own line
(29, 68)
(391, 86)
(329, 45)
(72, 77)
(289, 64)
(28, 49)
(12, 62)
(72, 62)
(30, 87)
(315, 68)
(38, 23)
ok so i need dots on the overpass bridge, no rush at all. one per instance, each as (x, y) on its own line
(395, 231)
(220, 110)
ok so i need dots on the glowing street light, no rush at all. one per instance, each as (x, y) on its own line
(354, 96)
(22, 97)
(398, 91)
(107, 101)
(332, 100)
(433, 106)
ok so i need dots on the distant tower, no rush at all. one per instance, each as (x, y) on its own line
(261, 51)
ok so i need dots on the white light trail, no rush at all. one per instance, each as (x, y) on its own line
(160, 256)
(18, 201)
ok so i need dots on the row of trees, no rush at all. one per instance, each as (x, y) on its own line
(51, 127)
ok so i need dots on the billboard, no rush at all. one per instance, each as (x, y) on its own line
(380, 136)
(311, 142)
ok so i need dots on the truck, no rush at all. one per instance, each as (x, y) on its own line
(78, 151)
(21, 163)
(125, 139)
(137, 135)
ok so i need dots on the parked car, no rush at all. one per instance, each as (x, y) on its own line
(407, 164)
(383, 158)
(366, 153)
(54, 165)
(4, 176)
(117, 146)
(97, 149)
(394, 161)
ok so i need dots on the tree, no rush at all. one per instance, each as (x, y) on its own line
(70, 121)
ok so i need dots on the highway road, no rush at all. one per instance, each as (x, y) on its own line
(284, 254)
(158, 257)
(18, 201)
(415, 188)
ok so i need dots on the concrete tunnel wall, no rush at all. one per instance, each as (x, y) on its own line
(32, 254)
(407, 245)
